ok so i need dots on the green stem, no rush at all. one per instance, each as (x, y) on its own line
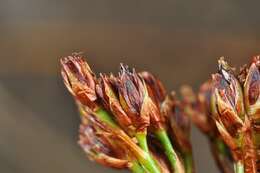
(142, 141)
(149, 163)
(239, 167)
(188, 161)
(137, 168)
(104, 116)
(169, 151)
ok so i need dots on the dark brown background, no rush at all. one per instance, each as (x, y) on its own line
(178, 40)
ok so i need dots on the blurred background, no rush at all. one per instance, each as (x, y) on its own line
(178, 40)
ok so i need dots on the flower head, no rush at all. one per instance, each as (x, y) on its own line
(79, 79)
(228, 103)
(197, 107)
(134, 97)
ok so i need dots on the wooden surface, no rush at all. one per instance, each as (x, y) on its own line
(179, 41)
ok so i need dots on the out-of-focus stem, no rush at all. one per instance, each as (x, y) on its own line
(188, 161)
(136, 167)
(239, 167)
(142, 141)
(169, 151)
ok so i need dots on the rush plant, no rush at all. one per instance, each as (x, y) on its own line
(128, 121)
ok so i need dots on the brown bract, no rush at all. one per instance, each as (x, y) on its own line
(79, 79)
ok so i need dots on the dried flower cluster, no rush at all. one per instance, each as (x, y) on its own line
(226, 110)
(128, 121)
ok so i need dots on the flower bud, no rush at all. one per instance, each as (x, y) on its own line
(79, 79)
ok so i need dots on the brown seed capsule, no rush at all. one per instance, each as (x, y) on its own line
(79, 79)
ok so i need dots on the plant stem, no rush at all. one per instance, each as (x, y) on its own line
(169, 151)
(142, 141)
(149, 162)
(239, 167)
(136, 167)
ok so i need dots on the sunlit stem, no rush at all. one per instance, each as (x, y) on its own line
(168, 149)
